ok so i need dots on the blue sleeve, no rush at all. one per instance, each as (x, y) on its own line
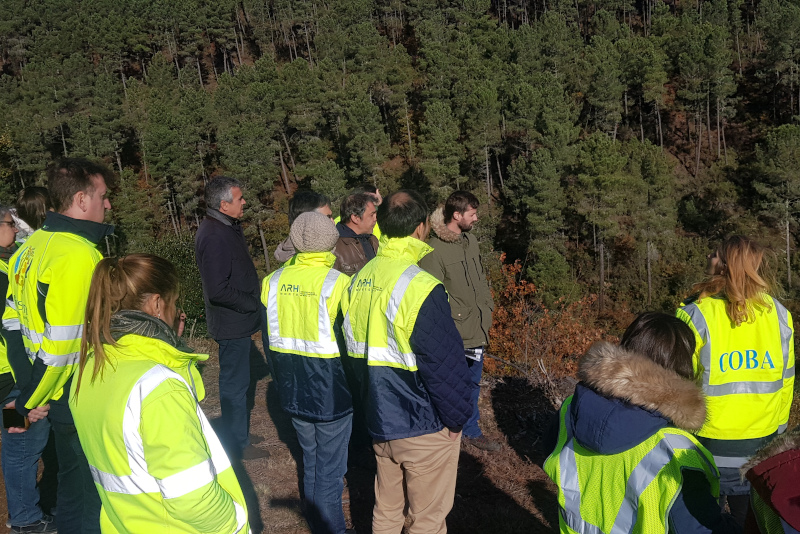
(441, 360)
(696, 511)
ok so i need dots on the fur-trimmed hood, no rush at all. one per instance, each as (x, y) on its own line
(624, 398)
(440, 228)
(615, 372)
(783, 443)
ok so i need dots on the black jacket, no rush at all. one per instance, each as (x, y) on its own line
(230, 282)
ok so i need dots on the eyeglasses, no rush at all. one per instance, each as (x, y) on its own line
(12, 224)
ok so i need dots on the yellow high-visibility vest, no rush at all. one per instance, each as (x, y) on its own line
(747, 371)
(48, 286)
(631, 491)
(156, 461)
(294, 294)
(385, 298)
(5, 367)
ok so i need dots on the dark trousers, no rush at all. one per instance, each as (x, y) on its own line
(78, 501)
(236, 390)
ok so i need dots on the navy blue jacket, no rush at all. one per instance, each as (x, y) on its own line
(230, 282)
(442, 376)
(608, 425)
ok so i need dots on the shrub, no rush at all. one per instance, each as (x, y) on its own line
(536, 338)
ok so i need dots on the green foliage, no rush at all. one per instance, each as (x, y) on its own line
(180, 252)
(578, 124)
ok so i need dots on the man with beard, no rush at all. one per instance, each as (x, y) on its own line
(456, 261)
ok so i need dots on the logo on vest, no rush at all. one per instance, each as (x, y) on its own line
(288, 288)
(749, 359)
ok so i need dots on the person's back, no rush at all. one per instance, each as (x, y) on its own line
(626, 459)
(157, 462)
(732, 358)
(744, 360)
(408, 360)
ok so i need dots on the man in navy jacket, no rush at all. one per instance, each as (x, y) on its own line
(233, 305)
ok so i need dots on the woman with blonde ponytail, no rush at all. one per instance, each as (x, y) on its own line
(744, 360)
(156, 461)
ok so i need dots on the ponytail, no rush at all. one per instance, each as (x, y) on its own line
(120, 284)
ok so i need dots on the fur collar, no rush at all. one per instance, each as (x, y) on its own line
(440, 228)
(785, 442)
(615, 372)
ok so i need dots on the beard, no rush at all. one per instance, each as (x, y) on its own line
(465, 227)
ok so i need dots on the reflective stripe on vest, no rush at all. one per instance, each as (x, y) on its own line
(640, 478)
(326, 343)
(389, 356)
(746, 387)
(176, 485)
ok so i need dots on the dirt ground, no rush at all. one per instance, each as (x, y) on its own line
(498, 492)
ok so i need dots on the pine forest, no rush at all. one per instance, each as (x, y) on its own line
(613, 143)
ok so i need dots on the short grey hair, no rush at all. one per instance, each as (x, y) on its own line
(6, 209)
(356, 204)
(219, 189)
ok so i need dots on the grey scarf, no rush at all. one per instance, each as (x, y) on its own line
(143, 324)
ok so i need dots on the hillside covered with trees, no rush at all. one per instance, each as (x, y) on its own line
(612, 142)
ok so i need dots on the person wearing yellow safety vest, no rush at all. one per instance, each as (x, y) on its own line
(156, 461)
(49, 279)
(21, 452)
(305, 304)
(774, 495)
(408, 364)
(744, 360)
(626, 459)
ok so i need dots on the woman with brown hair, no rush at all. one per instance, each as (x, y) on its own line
(156, 461)
(744, 360)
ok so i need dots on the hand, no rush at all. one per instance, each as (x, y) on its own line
(180, 323)
(39, 413)
(453, 435)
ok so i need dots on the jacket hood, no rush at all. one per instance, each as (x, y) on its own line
(615, 372)
(785, 442)
(407, 248)
(315, 259)
(624, 398)
(285, 250)
(440, 228)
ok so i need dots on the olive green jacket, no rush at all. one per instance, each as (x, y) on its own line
(456, 261)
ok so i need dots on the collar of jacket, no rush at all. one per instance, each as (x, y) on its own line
(346, 231)
(407, 248)
(616, 372)
(227, 220)
(7, 252)
(89, 230)
(315, 259)
(440, 228)
(135, 347)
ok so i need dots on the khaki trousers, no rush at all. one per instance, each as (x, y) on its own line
(418, 473)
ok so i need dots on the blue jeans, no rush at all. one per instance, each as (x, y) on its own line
(20, 457)
(471, 428)
(324, 466)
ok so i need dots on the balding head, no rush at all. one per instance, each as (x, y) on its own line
(401, 213)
